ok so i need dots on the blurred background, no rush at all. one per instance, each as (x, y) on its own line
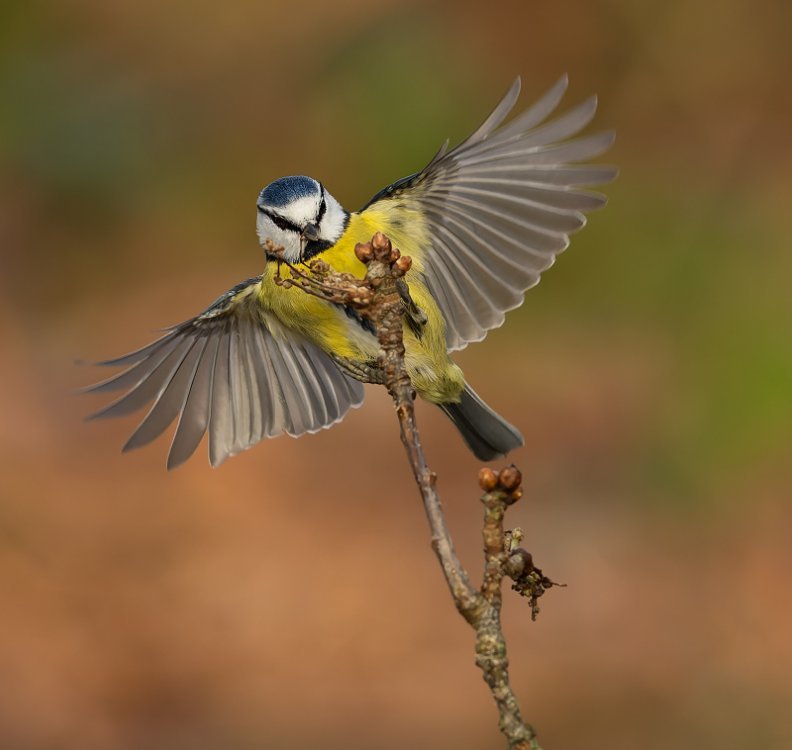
(290, 598)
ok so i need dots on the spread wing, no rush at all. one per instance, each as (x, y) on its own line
(500, 206)
(232, 370)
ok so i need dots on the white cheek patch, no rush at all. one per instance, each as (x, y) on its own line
(334, 221)
(289, 241)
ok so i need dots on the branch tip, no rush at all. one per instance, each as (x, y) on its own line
(383, 298)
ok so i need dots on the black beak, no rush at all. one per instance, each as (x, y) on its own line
(310, 232)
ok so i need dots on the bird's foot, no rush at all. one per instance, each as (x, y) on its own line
(416, 318)
(362, 371)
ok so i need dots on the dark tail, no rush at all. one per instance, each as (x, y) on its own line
(487, 434)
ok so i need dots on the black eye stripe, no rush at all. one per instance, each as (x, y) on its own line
(322, 206)
(280, 222)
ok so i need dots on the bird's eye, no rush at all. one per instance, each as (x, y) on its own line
(281, 223)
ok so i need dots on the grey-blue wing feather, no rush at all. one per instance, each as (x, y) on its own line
(233, 371)
(501, 205)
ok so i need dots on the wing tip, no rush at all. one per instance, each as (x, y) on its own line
(558, 89)
(515, 88)
(129, 445)
(609, 172)
(609, 136)
(175, 462)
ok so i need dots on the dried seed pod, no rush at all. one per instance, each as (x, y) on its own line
(519, 564)
(488, 479)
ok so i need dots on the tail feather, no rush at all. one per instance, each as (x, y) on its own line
(487, 434)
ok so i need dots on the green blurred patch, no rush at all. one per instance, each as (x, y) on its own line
(74, 135)
(401, 87)
(702, 275)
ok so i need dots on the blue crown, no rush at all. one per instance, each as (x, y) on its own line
(283, 191)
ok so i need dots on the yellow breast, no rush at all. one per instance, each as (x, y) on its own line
(404, 226)
(433, 374)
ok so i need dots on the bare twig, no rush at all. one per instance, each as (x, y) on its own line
(383, 299)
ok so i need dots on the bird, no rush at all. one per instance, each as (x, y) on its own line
(481, 222)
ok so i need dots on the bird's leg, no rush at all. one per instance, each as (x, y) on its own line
(362, 371)
(416, 318)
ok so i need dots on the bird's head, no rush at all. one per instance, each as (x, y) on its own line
(298, 214)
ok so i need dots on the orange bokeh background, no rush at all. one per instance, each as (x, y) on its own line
(290, 599)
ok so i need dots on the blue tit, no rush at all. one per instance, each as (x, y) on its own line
(481, 222)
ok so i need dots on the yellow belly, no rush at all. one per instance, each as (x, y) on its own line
(433, 374)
